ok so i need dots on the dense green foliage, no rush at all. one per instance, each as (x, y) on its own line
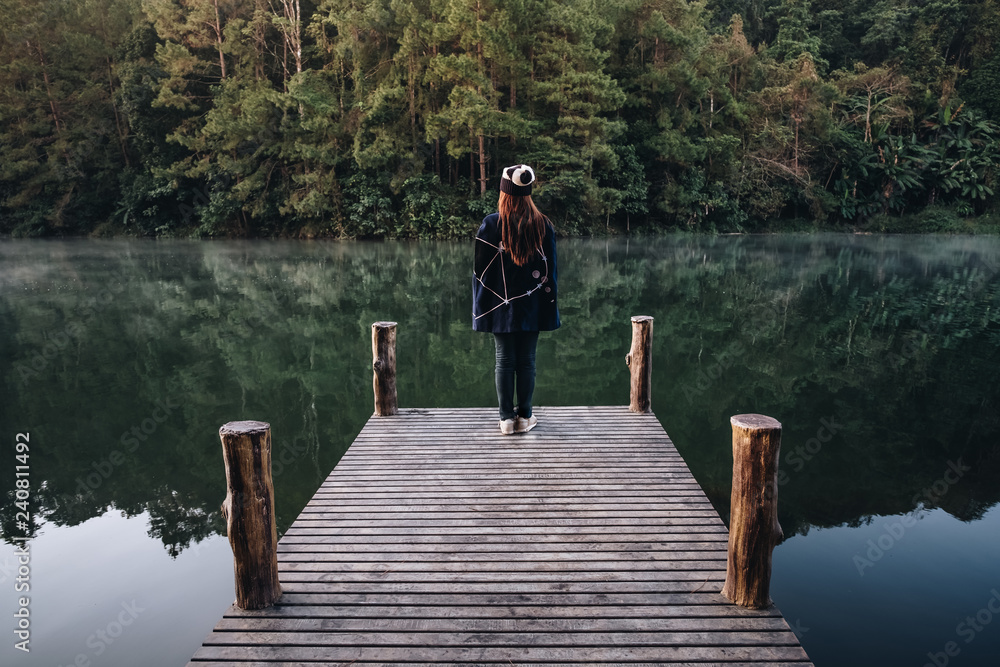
(392, 118)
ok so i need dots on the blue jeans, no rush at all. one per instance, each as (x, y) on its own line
(515, 368)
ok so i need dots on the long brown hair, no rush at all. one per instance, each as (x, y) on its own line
(522, 226)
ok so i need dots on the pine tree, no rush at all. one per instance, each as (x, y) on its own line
(795, 35)
(574, 98)
(62, 138)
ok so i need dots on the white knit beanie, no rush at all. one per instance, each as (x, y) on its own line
(517, 180)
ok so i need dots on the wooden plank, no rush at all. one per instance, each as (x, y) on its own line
(317, 571)
(633, 494)
(505, 663)
(460, 459)
(498, 563)
(417, 489)
(332, 510)
(497, 480)
(502, 523)
(596, 639)
(437, 539)
(689, 569)
(670, 558)
(418, 652)
(475, 440)
(512, 533)
(523, 625)
(500, 546)
(557, 476)
(501, 518)
(578, 429)
(512, 611)
(298, 536)
(542, 600)
(320, 582)
(554, 497)
(460, 468)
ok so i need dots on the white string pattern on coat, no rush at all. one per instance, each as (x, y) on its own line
(506, 298)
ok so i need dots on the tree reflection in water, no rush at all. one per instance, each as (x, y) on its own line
(878, 354)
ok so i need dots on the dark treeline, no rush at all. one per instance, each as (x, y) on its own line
(392, 118)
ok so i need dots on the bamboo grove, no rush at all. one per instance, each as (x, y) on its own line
(393, 118)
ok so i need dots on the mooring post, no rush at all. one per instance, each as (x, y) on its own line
(640, 363)
(753, 521)
(384, 367)
(249, 512)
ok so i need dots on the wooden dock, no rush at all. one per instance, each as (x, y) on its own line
(438, 540)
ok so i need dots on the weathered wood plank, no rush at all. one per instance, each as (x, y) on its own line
(419, 652)
(378, 637)
(333, 510)
(476, 440)
(323, 581)
(634, 493)
(623, 468)
(501, 523)
(522, 625)
(699, 570)
(528, 488)
(311, 571)
(511, 611)
(437, 539)
(505, 663)
(456, 564)
(672, 558)
(543, 601)
(459, 460)
(500, 546)
(503, 519)
(510, 533)
(298, 537)
(555, 476)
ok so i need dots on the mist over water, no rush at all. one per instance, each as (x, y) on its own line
(879, 355)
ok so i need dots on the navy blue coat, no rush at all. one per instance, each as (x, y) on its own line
(506, 297)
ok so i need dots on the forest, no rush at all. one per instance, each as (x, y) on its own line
(393, 118)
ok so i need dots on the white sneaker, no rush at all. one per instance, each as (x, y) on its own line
(507, 426)
(524, 425)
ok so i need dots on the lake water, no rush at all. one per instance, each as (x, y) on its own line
(880, 356)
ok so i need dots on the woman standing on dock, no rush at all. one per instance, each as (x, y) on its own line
(514, 292)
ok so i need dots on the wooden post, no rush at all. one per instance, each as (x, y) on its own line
(640, 362)
(753, 522)
(384, 365)
(249, 512)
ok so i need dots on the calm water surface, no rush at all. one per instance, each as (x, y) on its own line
(880, 356)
